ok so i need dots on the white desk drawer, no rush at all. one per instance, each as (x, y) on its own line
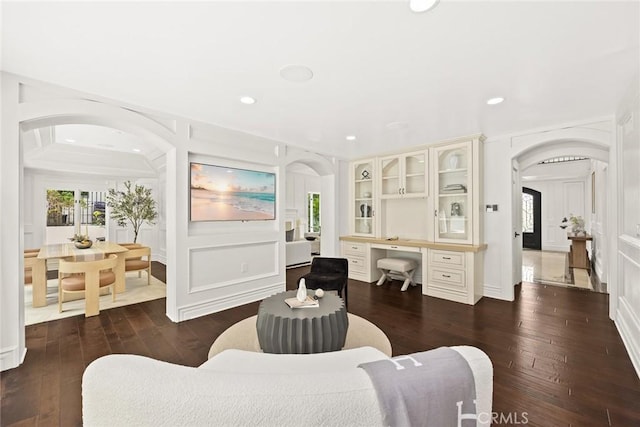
(392, 247)
(448, 258)
(454, 278)
(356, 264)
(353, 248)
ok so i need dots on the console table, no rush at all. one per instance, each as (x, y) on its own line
(578, 256)
(286, 330)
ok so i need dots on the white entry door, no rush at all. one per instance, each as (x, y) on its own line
(516, 221)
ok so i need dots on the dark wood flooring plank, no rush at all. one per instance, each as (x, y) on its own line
(556, 354)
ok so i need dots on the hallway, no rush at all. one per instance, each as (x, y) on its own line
(552, 268)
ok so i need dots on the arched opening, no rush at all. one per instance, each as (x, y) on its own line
(38, 122)
(311, 177)
(572, 175)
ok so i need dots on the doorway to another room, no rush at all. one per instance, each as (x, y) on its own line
(531, 219)
(558, 216)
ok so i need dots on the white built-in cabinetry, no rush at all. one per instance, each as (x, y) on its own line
(362, 198)
(455, 275)
(447, 180)
(362, 263)
(457, 191)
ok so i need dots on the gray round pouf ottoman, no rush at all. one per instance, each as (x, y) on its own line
(243, 336)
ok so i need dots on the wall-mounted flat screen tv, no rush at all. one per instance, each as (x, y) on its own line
(220, 193)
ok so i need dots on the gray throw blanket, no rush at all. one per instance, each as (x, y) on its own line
(432, 388)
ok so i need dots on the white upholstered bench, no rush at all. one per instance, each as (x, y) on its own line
(405, 267)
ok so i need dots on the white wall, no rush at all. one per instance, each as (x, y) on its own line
(12, 339)
(210, 266)
(627, 315)
(564, 191)
(598, 217)
(498, 225)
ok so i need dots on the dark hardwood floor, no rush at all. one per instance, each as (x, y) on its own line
(557, 357)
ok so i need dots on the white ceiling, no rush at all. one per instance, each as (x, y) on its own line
(80, 148)
(374, 63)
(104, 138)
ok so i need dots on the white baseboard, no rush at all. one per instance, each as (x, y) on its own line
(629, 329)
(492, 291)
(11, 357)
(159, 258)
(202, 308)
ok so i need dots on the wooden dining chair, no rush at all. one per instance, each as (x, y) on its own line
(87, 277)
(30, 258)
(133, 261)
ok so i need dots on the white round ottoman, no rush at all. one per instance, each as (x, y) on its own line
(243, 336)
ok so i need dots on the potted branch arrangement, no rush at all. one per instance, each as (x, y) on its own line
(134, 206)
(577, 224)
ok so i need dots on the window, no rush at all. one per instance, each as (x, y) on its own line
(313, 212)
(62, 210)
(60, 207)
(527, 213)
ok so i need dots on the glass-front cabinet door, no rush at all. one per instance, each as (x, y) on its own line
(453, 189)
(390, 184)
(403, 175)
(362, 217)
(415, 174)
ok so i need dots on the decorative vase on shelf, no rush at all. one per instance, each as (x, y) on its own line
(365, 210)
(454, 161)
(456, 209)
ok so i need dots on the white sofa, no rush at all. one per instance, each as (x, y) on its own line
(246, 388)
(298, 253)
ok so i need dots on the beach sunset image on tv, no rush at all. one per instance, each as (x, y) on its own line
(220, 193)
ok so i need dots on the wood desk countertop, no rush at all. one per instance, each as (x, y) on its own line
(417, 244)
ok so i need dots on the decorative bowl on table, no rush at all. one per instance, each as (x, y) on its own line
(310, 238)
(83, 244)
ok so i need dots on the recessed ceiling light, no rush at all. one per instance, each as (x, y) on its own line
(495, 101)
(351, 138)
(422, 5)
(296, 73)
(70, 140)
(248, 100)
(137, 150)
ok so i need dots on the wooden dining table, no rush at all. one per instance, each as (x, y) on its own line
(69, 251)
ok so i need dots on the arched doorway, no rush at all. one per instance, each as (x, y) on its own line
(326, 170)
(591, 143)
(41, 114)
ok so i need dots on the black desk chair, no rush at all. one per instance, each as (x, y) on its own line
(328, 274)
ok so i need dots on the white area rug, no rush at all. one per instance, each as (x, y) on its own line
(244, 336)
(137, 291)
